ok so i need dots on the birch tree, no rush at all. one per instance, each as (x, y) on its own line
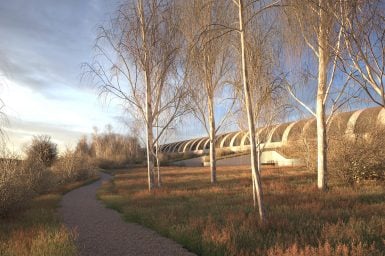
(136, 63)
(243, 33)
(268, 96)
(208, 67)
(363, 27)
(316, 23)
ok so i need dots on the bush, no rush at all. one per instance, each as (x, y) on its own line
(42, 150)
(358, 158)
(73, 167)
(223, 152)
(351, 159)
(15, 187)
(304, 149)
(111, 150)
(41, 179)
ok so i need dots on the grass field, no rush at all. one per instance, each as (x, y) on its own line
(220, 219)
(37, 230)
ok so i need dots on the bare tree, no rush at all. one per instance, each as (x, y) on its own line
(316, 23)
(267, 92)
(246, 12)
(363, 29)
(208, 67)
(137, 63)
(243, 34)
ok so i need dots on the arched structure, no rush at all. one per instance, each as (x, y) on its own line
(342, 124)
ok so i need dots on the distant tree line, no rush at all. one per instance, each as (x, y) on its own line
(109, 149)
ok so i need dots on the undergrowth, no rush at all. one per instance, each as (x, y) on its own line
(220, 219)
(37, 229)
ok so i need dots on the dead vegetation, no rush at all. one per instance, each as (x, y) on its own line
(220, 220)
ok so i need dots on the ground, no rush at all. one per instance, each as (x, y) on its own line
(220, 219)
(102, 231)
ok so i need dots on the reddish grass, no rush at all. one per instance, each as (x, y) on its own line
(220, 220)
(37, 230)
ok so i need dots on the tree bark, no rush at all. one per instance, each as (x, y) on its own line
(321, 94)
(159, 183)
(149, 117)
(213, 164)
(250, 117)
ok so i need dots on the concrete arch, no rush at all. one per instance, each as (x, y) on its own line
(163, 147)
(277, 135)
(234, 139)
(169, 147)
(187, 145)
(169, 150)
(286, 132)
(202, 143)
(227, 139)
(264, 134)
(199, 143)
(244, 138)
(192, 144)
(174, 149)
(296, 131)
(206, 144)
(271, 132)
(366, 121)
(352, 122)
(181, 146)
(338, 124)
(360, 122)
(219, 140)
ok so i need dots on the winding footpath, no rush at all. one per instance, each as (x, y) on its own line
(101, 231)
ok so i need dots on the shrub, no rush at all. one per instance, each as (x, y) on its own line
(358, 158)
(112, 150)
(351, 159)
(188, 154)
(223, 152)
(42, 150)
(40, 178)
(15, 187)
(73, 167)
(304, 149)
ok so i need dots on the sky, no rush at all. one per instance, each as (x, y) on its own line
(43, 44)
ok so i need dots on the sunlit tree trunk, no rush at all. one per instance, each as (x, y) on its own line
(213, 164)
(159, 183)
(149, 117)
(321, 94)
(257, 186)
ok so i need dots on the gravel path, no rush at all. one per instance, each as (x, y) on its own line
(103, 232)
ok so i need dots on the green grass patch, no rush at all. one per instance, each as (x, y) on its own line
(37, 230)
(220, 220)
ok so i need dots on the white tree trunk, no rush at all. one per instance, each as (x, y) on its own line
(159, 183)
(257, 186)
(149, 117)
(150, 140)
(213, 164)
(321, 94)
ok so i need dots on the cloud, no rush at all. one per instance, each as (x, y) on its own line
(46, 41)
(19, 133)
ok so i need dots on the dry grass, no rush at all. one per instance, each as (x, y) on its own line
(220, 219)
(37, 230)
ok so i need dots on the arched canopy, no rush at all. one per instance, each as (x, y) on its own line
(202, 143)
(236, 139)
(277, 135)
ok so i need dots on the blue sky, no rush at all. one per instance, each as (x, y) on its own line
(43, 44)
